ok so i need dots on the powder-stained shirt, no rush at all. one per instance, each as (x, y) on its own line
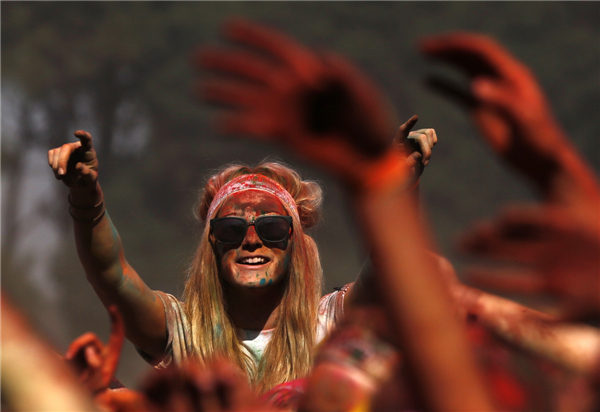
(179, 342)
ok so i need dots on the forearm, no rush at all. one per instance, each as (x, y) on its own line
(560, 173)
(574, 184)
(574, 346)
(364, 290)
(98, 244)
(419, 305)
(101, 253)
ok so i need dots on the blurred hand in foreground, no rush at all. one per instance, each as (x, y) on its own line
(94, 363)
(557, 254)
(216, 387)
(321, 106)
(513, 115)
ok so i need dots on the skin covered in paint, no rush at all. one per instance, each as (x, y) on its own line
(101, 251)
(253, 292)
(232, 259)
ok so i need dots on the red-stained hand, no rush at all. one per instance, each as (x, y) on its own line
(557, 255)
(75, 163)
(319, 105)
(216, 387)
(94, 363)
(506, 103)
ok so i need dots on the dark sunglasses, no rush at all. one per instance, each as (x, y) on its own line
(270, 228)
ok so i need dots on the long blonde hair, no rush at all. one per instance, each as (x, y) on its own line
(289, 353)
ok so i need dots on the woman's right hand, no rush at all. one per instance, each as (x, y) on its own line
(75, 163)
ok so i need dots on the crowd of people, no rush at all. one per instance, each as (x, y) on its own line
(252, 331)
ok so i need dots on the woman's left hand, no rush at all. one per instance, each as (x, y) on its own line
(417, 146)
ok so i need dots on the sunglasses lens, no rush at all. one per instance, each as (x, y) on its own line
(272, 228)
(230, 230)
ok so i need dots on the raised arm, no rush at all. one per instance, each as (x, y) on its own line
(101, 251)
(512, 113)
(574, 346)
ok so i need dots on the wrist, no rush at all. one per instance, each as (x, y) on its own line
(85, 197)
(388, 173)
(86, 205)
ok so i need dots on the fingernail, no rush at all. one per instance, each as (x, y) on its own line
(61, 171)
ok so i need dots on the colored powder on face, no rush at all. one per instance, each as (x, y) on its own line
(263, 281)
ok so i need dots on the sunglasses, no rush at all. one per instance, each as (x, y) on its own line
(232, 229)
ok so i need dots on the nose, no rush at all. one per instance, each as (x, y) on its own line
(251, 240)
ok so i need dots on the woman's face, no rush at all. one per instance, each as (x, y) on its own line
(252, 263)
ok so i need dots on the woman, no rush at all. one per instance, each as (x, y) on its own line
(252, 292)
(253, 288)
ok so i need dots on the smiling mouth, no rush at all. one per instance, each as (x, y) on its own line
(253, 260)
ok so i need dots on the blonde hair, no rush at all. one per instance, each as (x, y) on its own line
(288, 355)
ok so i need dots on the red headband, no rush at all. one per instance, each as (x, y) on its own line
(253, 182)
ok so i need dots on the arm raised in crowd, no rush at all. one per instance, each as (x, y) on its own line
(100, 249)
(552, 247)
(512, 114)
(575, 347)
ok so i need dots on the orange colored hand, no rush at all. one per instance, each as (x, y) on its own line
(505, 101)
(95, 363)
(321, 106)
(557, 255)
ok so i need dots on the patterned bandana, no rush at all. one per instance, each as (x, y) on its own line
(253, 182)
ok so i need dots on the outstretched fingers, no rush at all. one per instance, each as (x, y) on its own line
(278, 46)
(248, 123)
(473, 53)
(231, 93)
(237, 63)
(522, 281)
